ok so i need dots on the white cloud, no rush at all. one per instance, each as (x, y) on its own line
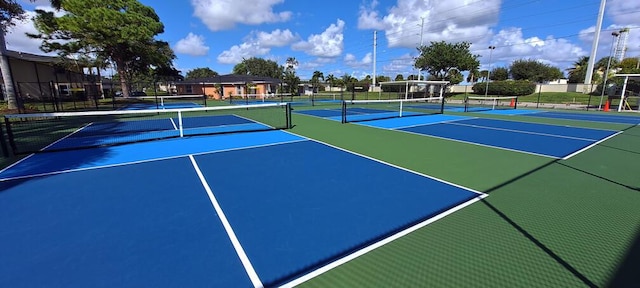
(277, 38)
(327, 44)
(511, 45)
(606, 39)
(454, 21)
(192, 45)
(236, 53)
(17, 39)
(624, 12)
(225, 14)
(256, 44)
(351, 61)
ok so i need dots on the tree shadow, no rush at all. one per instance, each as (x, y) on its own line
(628, 272)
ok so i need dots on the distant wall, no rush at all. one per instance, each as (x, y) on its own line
(581, 88)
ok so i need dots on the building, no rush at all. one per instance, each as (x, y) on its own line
(42, 78)
(225, 86)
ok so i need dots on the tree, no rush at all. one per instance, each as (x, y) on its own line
(204, 72)
(473, 75)
(290, 77)
(629, 66)
(532, 70)
(399, 77)
(315, 79)
(122, 31)
(578, 72)
(258, 67)
(454, 77)
(440, 58)
(382, 78)
(484, 75)
(499, 74)
(332, 80)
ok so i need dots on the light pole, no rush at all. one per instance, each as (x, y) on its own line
(606, 72)
(486, 88)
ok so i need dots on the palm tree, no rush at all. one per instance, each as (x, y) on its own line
(331, 79)
(578, 72)
(315, 79)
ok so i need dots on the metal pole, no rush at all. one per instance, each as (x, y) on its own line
(486, 89)
(594, 48)
(606, 72)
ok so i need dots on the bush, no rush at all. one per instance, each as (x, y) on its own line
(506, 88)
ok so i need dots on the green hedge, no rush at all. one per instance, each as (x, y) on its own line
(506, 88)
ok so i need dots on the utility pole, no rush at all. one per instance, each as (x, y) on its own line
(594, 47)
(421, 43)
(375, 45)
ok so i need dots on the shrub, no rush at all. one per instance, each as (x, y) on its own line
(506, 88)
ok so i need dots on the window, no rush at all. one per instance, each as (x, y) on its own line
(63, 89)
(189, 89)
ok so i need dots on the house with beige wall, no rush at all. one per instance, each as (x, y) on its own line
(225, 86)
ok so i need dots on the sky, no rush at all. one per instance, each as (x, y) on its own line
(337, 36)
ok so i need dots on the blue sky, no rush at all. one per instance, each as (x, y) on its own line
(336, 37)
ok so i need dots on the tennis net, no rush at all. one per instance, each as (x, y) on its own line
(43, 132)
(480, 103)
(366, 110)
(248, 99)
(172, 102)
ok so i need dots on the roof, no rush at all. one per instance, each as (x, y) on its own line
(231, 79)
(32, 57)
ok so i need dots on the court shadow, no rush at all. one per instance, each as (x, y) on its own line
(600, 177)
(627, 273)
(540, 245)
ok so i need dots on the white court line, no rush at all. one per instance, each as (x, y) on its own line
(393, 237)
(140, 161)
(590, 146)
(427, 124)
(379, 244)
(227, 227)
(474, 143)
(175, 127)
(523, 132)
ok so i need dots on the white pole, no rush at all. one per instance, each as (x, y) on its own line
(421, 43)
(375, 45)
(624, 88)
(180, 123)
(594, 47)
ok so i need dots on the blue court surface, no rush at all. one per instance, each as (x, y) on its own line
(539, 139)
(621, 119)
(150, 129)
(233, 210)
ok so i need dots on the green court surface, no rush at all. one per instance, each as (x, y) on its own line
(546, 222)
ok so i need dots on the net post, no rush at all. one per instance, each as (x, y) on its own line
(180, 124)
(466, 104)
(288, 115)
(442, 106)
(3, 144)
(344, 112)
(515, 103)
(12, 140)
(400, 115)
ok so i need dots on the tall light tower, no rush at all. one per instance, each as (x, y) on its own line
(486, 89)
(606, 72)
(621, 46)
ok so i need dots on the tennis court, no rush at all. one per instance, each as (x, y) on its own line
(605, 118)
(175, 212)
(323, 204)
